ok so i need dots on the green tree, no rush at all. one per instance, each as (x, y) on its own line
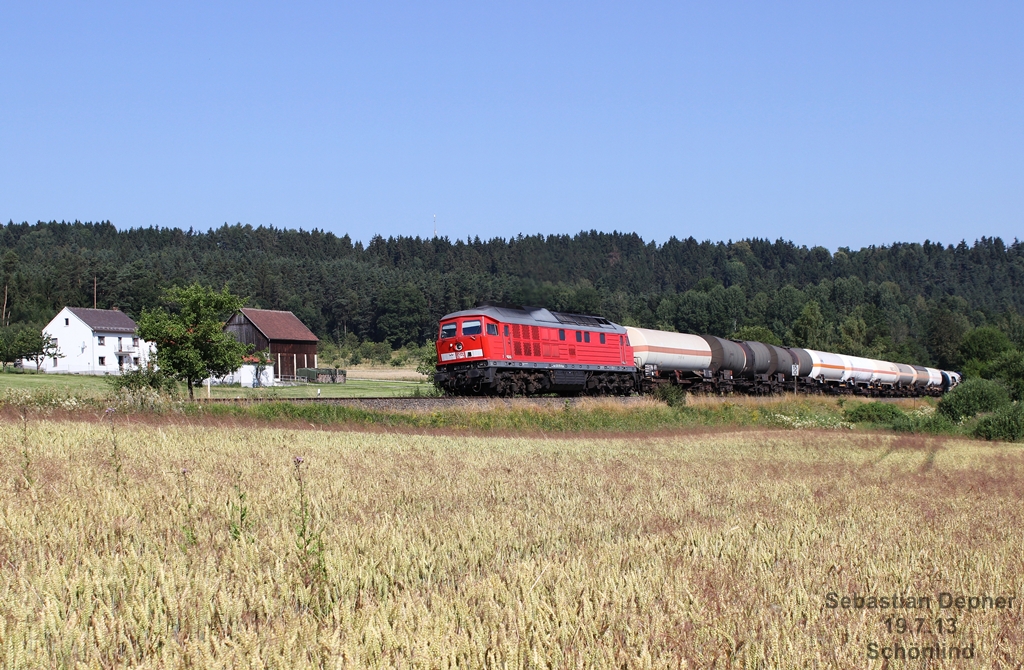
(761, 334)
(810, 329)
(404, 315)
(191, 344)
(10, 346)
(18, 342)
(984, 345)
(946, 331)
(38, 346)
(1009, 368)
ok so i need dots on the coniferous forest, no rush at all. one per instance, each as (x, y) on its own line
(923, 303)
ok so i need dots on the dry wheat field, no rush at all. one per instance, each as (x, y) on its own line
(133, 545)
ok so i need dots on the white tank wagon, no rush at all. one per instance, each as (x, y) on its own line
(871, 372)
(668, 351)
(829, 367)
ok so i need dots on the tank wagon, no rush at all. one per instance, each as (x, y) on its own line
(502, 350)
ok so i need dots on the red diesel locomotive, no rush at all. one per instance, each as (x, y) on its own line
(509, 351)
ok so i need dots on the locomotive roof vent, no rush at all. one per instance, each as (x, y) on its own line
(541, 314)
(581, 320)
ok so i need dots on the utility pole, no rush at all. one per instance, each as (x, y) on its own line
(94, 291)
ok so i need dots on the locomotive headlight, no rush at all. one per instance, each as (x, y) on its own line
(458, 346)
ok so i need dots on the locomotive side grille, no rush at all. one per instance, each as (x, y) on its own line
(518, 347)
(572, 351)
(535, 332)
(536, 349)
(516, 332)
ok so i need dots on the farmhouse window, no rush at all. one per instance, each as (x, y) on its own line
(135, 361)
(67, 322)
(103, 360)
(55, 361)
(101, 341)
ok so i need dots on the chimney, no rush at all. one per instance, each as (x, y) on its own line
(115, 308)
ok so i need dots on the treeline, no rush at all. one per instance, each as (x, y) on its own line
(908, 302)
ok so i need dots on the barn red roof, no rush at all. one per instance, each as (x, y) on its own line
(279, 325)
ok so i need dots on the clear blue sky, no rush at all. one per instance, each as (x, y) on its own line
(839, 124)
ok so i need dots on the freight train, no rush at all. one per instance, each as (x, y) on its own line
(522, 351)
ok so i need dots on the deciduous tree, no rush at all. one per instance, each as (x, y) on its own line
(191, 344)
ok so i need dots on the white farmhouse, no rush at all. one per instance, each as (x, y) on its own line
(95, 341)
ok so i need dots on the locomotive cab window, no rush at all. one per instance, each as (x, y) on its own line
(492, 329)
(561, 334)
(586, 336)
(448, 330)
(471, 327)
(602, 338)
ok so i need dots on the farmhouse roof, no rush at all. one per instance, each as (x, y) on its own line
(279, 325)
(106, 320)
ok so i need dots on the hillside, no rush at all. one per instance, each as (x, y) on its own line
(907, 301)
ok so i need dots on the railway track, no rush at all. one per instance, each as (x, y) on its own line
(424, 403)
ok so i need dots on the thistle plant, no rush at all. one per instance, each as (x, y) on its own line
(26, 455)
(115, 453)
(238, 513)
(188, 528)
(310, 544)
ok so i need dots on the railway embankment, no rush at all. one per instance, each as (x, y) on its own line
(970, 412)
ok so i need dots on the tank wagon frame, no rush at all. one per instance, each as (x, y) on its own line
(503, 350)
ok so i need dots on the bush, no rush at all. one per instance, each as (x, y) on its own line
(971, 397)
(670, 394)
(1006, 424)
(143, 379)
(917, 422)
(375, 352)
(426, 360)
(874, 412)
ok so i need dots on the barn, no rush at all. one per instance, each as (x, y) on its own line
(291, 345)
